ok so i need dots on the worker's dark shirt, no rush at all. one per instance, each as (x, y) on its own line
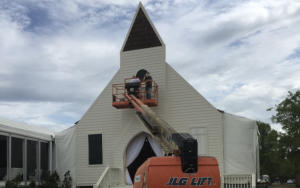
(148, 81)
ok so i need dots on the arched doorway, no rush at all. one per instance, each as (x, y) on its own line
(139, 149)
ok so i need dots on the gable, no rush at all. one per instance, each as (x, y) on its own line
(142, 33)
(186, 95)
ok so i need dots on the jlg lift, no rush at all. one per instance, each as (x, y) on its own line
(183, 168)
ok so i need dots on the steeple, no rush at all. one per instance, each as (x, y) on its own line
(142, 33)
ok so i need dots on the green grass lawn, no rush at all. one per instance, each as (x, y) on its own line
(283, 186)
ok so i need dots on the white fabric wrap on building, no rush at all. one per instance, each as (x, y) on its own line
(65, 153)
(240, 145)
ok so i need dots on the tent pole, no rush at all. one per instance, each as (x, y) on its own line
(50, 156)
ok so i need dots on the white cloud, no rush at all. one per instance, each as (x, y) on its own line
(235, 53)
(39, 114)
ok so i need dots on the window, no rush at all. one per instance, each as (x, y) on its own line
(31, 159)
(95, 149)
(3, 157)
(44, 157)
(200, 134)
(16, 157)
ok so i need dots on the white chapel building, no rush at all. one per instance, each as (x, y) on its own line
(107, 145)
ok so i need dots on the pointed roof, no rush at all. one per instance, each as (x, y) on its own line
(142, 33)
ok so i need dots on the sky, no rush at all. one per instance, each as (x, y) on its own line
(56, 56)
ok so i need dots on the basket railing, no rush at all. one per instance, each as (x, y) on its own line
(148, 90)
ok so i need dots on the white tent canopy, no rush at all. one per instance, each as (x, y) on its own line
(65, 152)
(240, 145)
(21, 129)
(25, 150)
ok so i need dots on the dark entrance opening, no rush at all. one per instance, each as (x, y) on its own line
(144, 154)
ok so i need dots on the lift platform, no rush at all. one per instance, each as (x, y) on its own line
(147, 92)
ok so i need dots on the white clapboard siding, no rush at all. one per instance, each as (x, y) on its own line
(117, 126)
(187, 109)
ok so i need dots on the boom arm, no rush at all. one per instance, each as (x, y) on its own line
(181, 144)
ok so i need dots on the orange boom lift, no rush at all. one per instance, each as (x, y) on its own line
(183, 168)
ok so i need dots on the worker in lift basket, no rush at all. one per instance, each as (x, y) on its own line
(132, 86)
(148, 83)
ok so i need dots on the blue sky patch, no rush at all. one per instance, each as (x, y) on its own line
(236, 43)
(294, 55)
(39, 18)
(243, 40)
